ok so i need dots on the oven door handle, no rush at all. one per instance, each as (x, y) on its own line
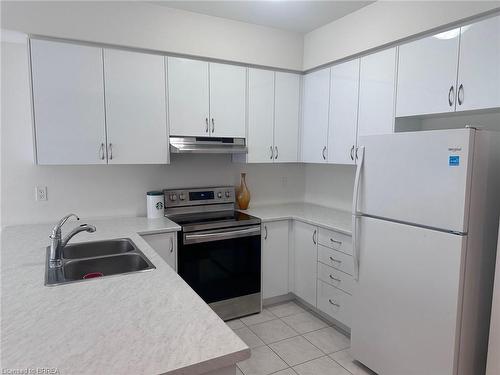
(220, 235)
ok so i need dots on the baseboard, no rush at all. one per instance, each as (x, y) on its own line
(278, 299)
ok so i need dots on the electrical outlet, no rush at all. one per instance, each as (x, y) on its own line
(41, 193)
(284, 181)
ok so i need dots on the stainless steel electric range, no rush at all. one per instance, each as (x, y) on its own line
(219, 249)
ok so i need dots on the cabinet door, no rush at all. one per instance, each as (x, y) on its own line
(136, 117)
(479, 65)
(315, 116)
(377, 93)
(260, 116)
(344, 83)
(275, 259)
(68, 100)
(305, 261)
(286, 117)
(227, 100)
(165, 244)
(188, 97)
(427, 74)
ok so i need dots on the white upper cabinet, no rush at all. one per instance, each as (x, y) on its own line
(188, 97)
(316, 97)
(377, 93)
(273, 116)
(286, 117)
(344, 83)
(68, 95)
(135, 108)
(479, 65)
(427, 74)
(260, 116)
(275, 259)
(227, 100)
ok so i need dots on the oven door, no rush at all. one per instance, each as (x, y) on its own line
(222, 264)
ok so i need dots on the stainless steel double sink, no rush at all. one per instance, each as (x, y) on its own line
(87, 260)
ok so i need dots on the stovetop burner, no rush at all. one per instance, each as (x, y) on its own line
(205, 208)
(210, 220)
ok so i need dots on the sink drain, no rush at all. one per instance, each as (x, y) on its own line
(91, 275)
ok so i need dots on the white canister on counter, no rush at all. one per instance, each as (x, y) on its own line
(156, 205)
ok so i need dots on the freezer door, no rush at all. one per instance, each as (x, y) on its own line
(418, 177)
(406, 304)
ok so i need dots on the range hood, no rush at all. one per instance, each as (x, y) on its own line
(207, 145)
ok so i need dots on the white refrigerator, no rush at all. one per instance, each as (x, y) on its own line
(425, 220)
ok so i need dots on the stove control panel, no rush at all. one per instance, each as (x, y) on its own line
(199, 196)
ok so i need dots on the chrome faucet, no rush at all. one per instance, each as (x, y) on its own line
(58, 243)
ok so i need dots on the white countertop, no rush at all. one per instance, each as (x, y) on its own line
(142, 323)
(321, 216)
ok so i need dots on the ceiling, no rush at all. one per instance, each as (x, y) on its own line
(290, 15)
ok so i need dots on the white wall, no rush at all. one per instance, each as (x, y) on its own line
(106, 190)
(329, 185)
(144, 25)
(381, 23)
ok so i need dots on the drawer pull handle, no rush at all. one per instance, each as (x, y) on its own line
(333, 303)
(335, 260)
(334, 278)
(335, 241)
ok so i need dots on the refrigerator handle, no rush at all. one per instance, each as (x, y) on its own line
(360, 153)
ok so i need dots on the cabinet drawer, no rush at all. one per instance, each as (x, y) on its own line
(334, 302)
(335, 278)
(335, 240)
(336, 259)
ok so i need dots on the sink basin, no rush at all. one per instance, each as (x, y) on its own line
(98, 248)
(87, 260)
(106, 266)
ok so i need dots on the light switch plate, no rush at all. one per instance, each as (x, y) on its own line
(41, 193)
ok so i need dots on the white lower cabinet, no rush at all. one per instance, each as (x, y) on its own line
(305, 251)
(165, 244)
(275, 258)
(336, 259)
(334, 302)
(336, 278)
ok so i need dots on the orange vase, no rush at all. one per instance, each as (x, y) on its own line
(243, 193)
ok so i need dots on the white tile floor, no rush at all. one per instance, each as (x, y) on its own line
(287, 339)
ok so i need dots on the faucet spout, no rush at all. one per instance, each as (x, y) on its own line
(82, 228)
(58, 244)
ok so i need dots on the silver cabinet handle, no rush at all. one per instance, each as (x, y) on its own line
(101, 150)
(460, 95)
(206, 124)
(451, 95)
(323, 153)
(265, 230)
(335, 260)
(276, 156)
(352, 152)
(110, 151)
(272, 152)
(335, 241)
(334, 278)
(314, 236)
(213, 125)
(333, 303)
(171, 245)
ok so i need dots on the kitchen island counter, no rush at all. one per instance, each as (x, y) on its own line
(140, 323)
